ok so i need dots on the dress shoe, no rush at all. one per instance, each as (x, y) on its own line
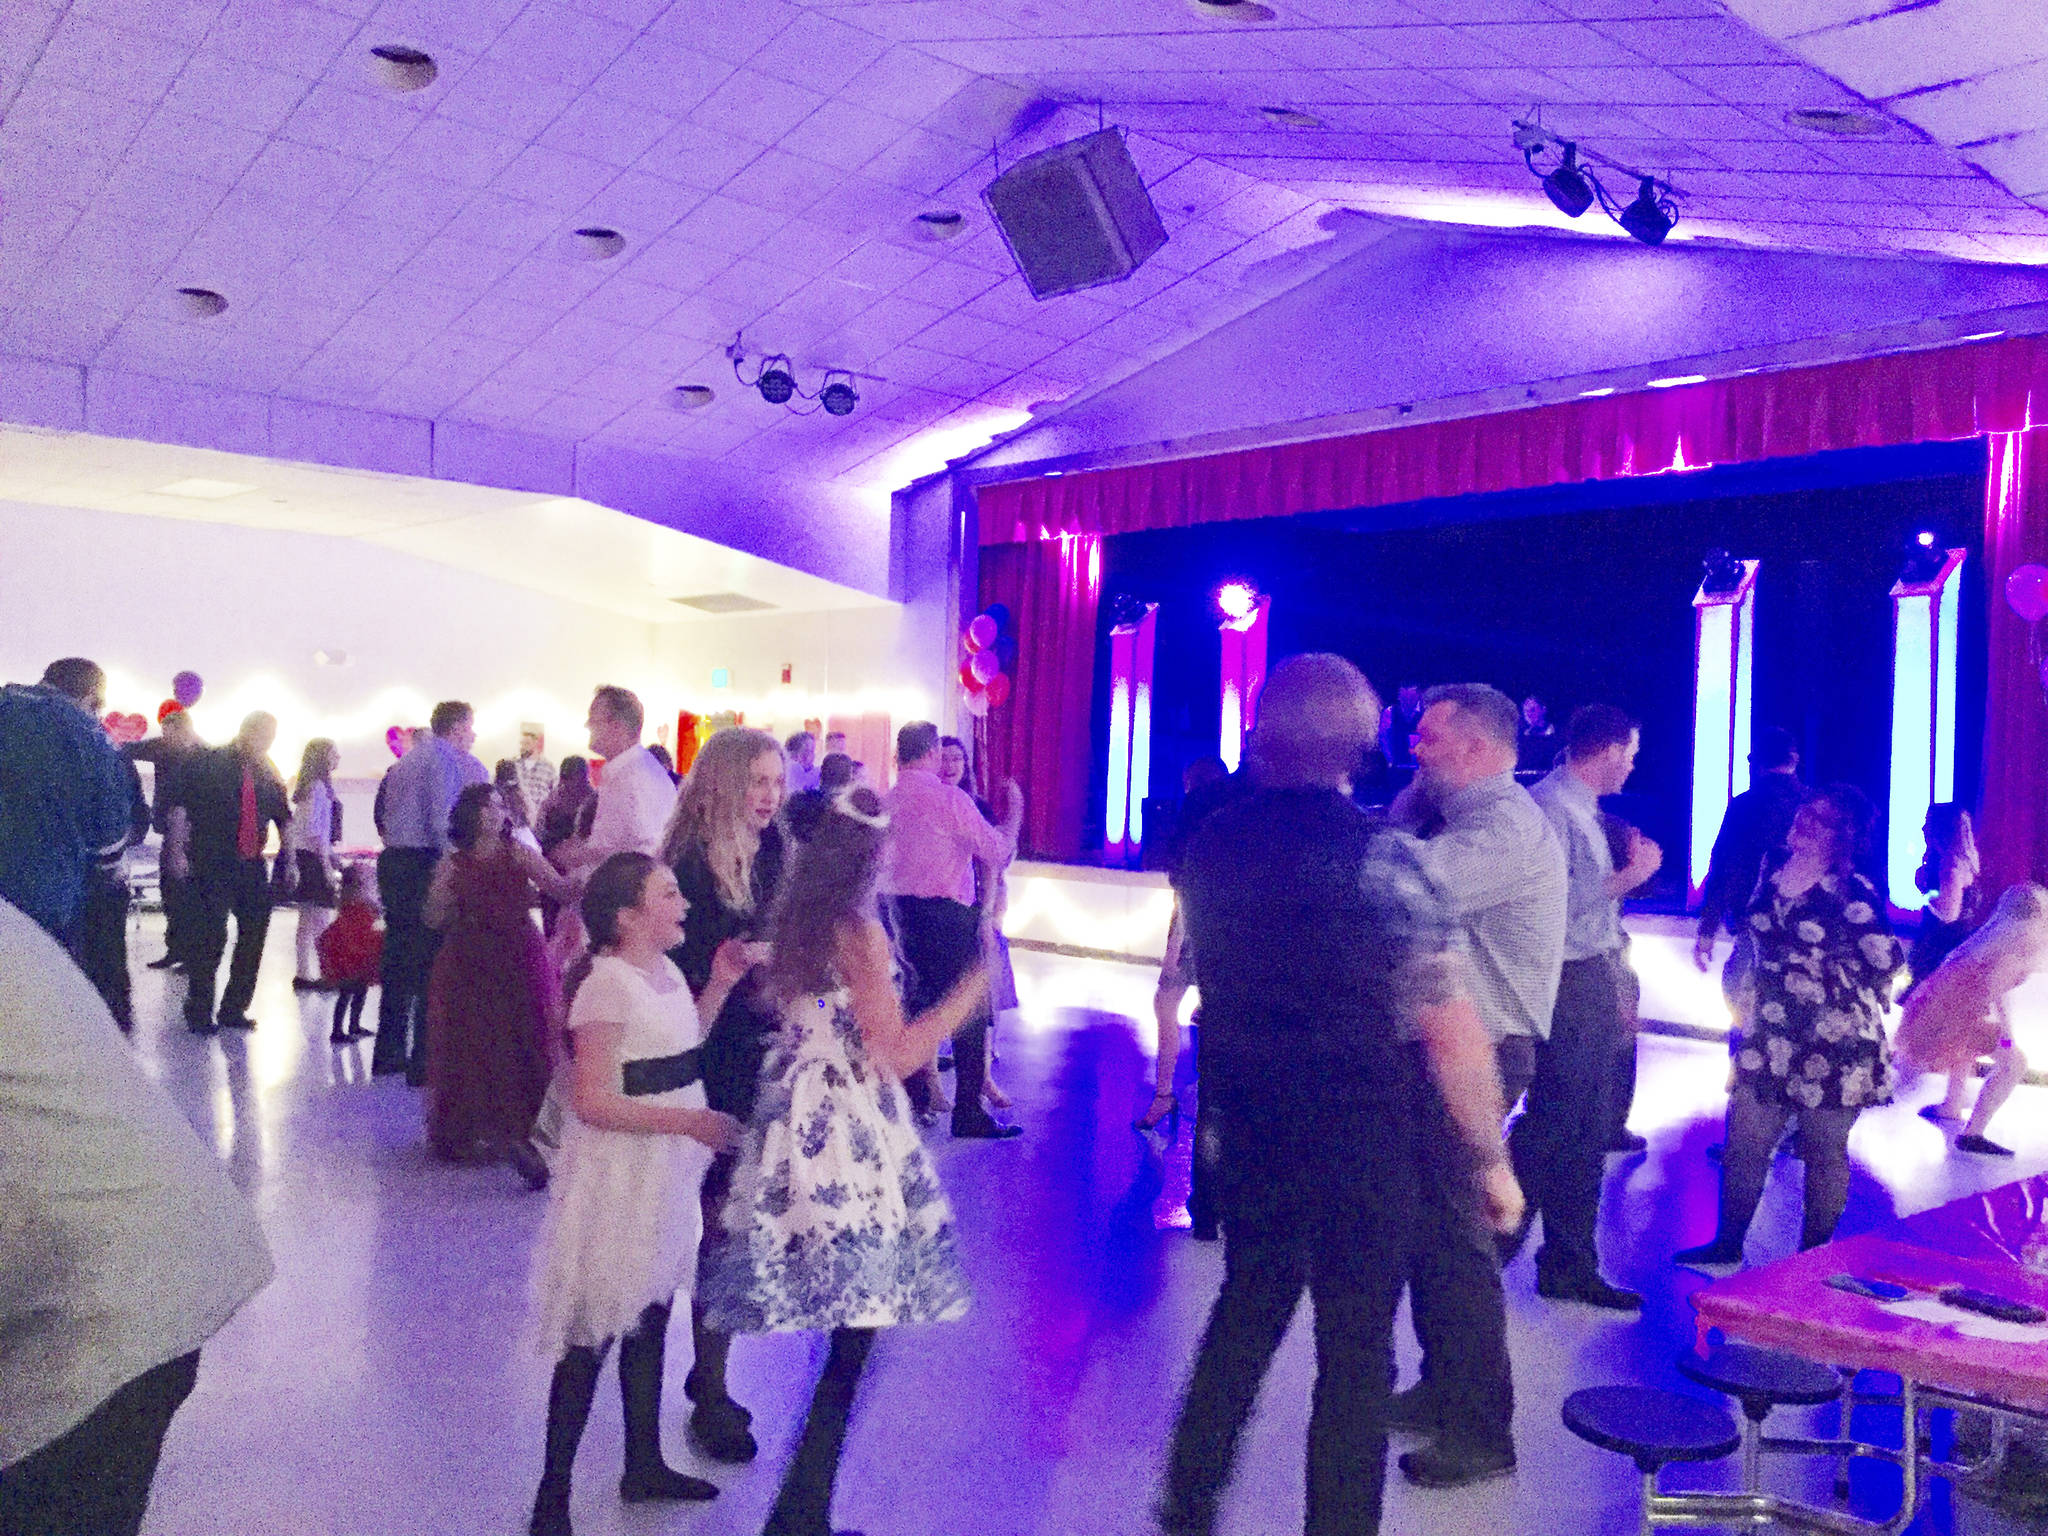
(1983, 1146)
(1416, 1410)
(527, 1162)
(1445, 1465)
(551, 1514)
(983, 1128)
(1628, 1141)
(663, 1483)
(1716, 1255)
(1588, 1290)
(719, 1429)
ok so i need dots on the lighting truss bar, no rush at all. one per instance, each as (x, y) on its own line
(1725, 626)
(1130, 733)
(1244, 678)
(1923, 717)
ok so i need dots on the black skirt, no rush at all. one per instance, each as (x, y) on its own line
(315, 889)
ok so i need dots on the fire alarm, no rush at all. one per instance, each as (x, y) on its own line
(788, 673)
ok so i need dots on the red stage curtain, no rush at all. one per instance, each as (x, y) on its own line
(2012, 831)
(1913, 397)
(1042, 736)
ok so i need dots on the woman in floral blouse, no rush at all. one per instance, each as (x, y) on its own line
(1814, 1044)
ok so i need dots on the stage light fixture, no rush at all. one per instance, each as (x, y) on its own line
(776, 384)
(1923, 560)
(838, 396)
(1237, 600)
(1566, 187)
(1723, 573)
(1650, 217)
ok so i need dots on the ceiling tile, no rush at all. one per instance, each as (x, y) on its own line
(552, 42)
(552, 178)
(817, 52)
(753, 107)
(662, 75)
(296, 38)
(123, 65)
(614, 132)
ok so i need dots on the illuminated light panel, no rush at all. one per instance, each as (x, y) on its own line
(1923, 767)
(1725, 656)
(1244, 675)
(1677, 379)
(1130, 733)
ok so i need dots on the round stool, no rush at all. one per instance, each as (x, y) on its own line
(1652, 1427)
(1760, 1380)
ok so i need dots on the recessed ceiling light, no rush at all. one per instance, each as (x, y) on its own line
(1589, 394)
(200, 303)
(200, 489)
(1232, 10)
(939, 224)
(691, 397)
(1677, 379)
(1839, 124)
(1291, 117)
(399, 68)
(596, 243)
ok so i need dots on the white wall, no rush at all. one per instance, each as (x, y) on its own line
(247, 610)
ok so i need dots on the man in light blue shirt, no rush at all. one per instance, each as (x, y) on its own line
(413, 803)
(1556, 1156)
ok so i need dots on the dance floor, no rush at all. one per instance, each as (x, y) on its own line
(380, 1386)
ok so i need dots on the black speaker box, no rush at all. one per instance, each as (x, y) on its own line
(1076, 215)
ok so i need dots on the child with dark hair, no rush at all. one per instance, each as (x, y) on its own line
(352, 952)
(837, 1222)
(619, 1241)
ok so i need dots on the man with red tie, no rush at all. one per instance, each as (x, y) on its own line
(222, 805)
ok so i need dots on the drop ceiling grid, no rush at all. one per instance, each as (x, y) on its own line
(763, 159)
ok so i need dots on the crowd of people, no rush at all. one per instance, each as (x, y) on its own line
(717, 1048)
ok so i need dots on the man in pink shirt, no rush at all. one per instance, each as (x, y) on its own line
(936, 836)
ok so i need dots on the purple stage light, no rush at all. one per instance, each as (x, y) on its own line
(1237, 600)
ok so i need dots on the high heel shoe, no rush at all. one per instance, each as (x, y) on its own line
(1164, 1107)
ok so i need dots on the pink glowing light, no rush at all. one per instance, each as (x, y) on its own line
(1237, 600)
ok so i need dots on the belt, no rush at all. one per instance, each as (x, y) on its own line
(658, 1074)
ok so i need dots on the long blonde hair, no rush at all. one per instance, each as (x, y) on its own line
(710, 816)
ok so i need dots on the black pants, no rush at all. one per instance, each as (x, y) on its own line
(93, 1480)
(1559, 1144)
(99, 942)
(177, 900)
(1755, 1127)
(941, 942)
(1454, 1290)
(803, 1505)
(403, 875)
(242, 892)
(349, 998)
(1623, 1093)
(1303, 1210)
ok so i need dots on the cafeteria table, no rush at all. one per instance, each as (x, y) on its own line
(1995, 1242)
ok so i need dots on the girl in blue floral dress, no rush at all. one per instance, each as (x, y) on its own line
(836, 1222)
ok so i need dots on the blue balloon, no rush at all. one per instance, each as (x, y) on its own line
(1001, 614)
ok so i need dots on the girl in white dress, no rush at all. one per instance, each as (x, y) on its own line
(836, 1223)
(620, 1237)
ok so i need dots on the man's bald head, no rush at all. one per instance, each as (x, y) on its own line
(1316, 717)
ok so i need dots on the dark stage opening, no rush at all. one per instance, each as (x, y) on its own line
(1583, 593)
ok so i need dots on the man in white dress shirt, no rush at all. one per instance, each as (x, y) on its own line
(634, 792)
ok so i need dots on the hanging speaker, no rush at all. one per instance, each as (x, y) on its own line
(1076, 215)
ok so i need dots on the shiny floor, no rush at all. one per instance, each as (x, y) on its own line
(380, 1384)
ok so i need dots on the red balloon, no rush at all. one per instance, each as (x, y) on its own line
(968, 680)
(981, 632)
(168, 708)
(2026, 592)
(985, 667)
(998, 691)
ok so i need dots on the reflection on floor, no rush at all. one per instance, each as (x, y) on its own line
(380, 1386)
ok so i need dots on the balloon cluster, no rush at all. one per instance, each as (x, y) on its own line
(986, 648)
(186, 689)
(2026, 593)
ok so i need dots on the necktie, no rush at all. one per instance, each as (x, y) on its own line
(248, 830)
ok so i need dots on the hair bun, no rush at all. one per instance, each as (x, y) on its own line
(805, 814)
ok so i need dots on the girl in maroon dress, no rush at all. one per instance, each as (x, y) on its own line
(493, 998)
